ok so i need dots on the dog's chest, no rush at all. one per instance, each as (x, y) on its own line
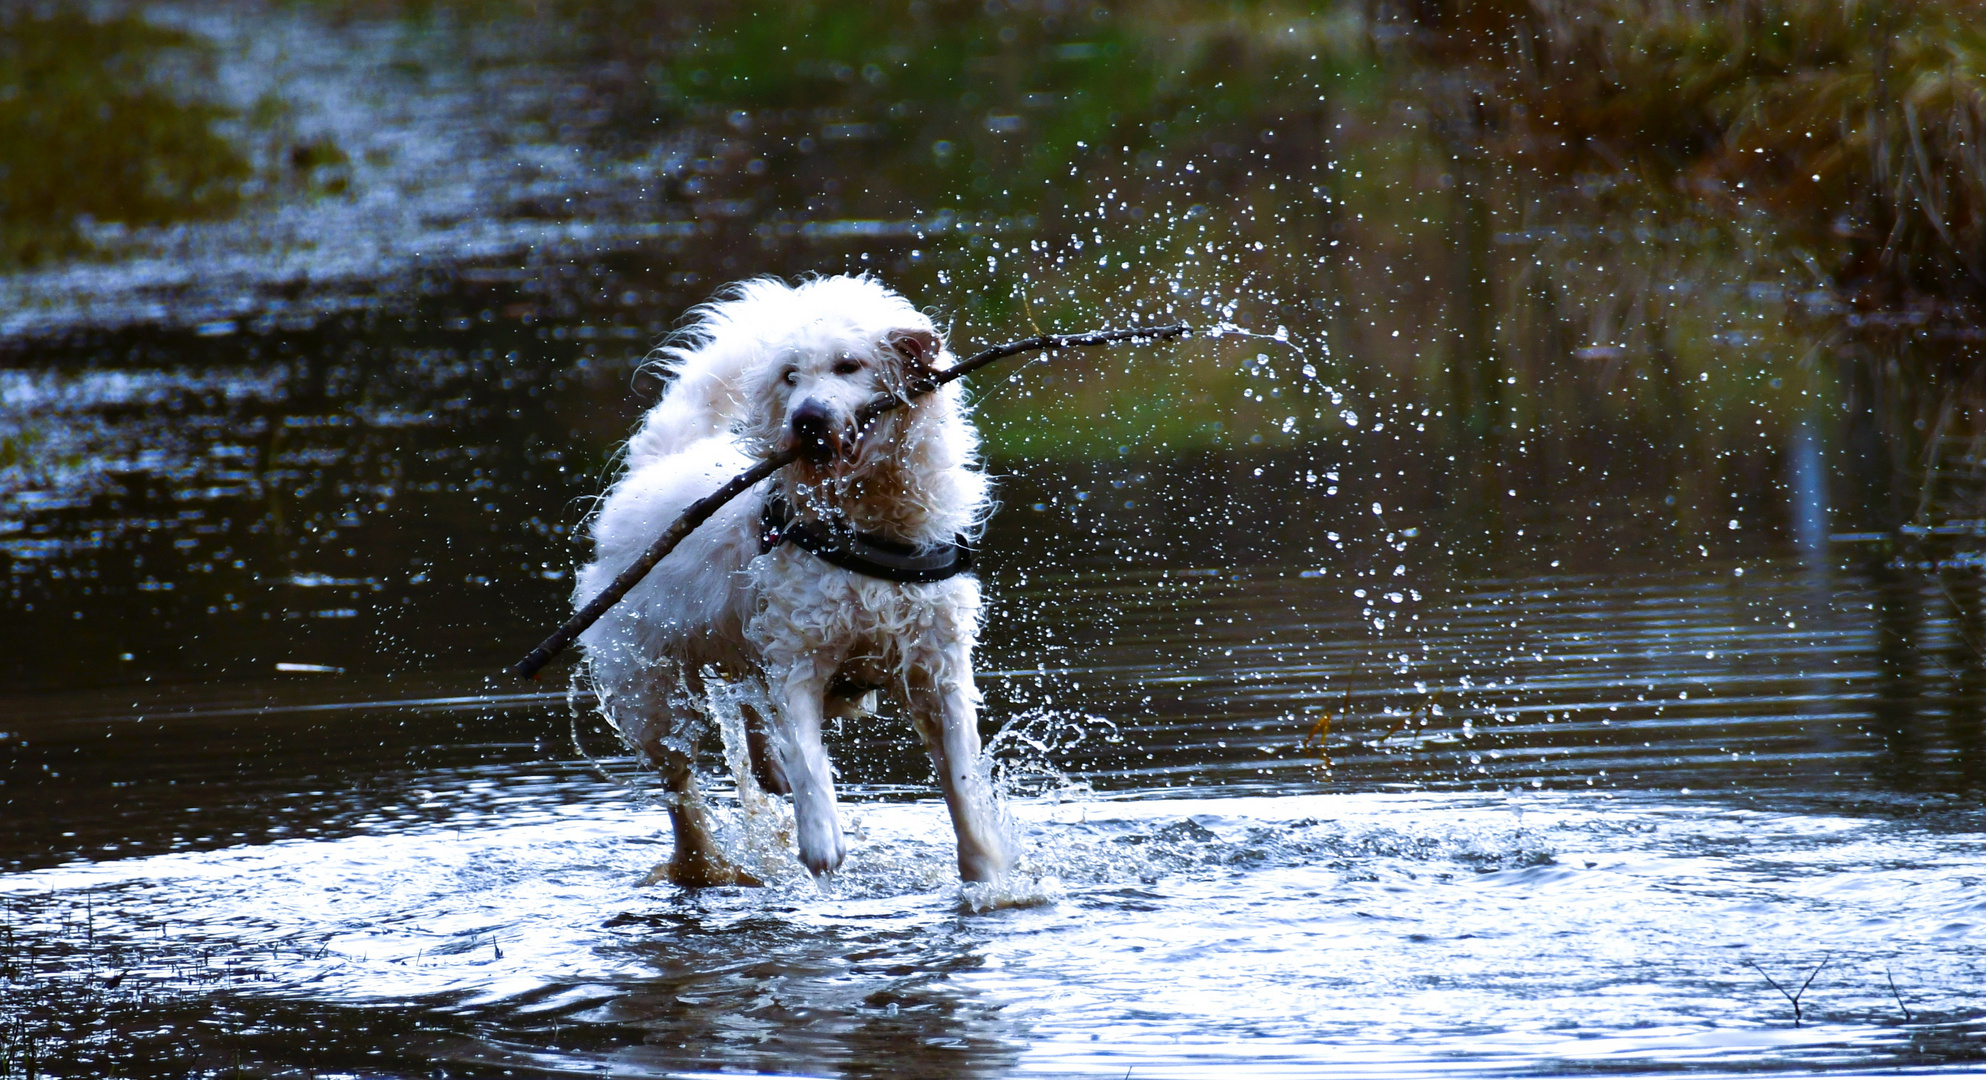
(805, 604)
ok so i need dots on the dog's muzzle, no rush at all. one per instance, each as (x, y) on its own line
(815, 432)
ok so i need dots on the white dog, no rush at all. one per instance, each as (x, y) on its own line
(839, 576)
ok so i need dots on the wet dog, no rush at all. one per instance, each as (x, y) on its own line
(842, 575)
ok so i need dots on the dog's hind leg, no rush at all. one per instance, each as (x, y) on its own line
(944, 704)
(697, 861)
(767, 768)
(796, 732)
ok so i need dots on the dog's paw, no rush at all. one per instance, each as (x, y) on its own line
(822, 847)
(702, 871)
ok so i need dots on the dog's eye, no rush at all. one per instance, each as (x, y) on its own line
(792, 378)
(846, 366)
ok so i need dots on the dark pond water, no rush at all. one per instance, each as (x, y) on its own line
(1537, 799)
(1333, 741)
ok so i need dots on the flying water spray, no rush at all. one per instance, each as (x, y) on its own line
(700, 511)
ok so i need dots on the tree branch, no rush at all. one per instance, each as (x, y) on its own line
(700, 510)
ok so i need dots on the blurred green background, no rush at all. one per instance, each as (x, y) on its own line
(1507, 222)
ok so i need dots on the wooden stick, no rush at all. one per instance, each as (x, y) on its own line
(700, 510)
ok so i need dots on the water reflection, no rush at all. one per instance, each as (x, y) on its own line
(1806, 493)
(882, 997)
(1473, 687)
(382, 503)
(1175, 936)
(276, 852)
(1898, 619)
(1966, 661)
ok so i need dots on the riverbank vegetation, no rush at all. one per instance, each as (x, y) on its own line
(96, 126)
(1522, 218)
(1708, 227)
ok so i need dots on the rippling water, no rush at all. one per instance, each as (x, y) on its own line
(1368, 933)
(1318, 762)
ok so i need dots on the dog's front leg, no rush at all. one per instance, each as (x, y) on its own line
(797, 735)
(944, 704)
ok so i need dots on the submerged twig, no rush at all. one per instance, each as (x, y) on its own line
(1895, 994)
(700, 510)
(1794, 998)
(1425, 710)
(1320, 732)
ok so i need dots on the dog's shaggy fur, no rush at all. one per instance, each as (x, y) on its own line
(768, 367)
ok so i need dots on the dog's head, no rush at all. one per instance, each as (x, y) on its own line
(819, 393)
(846, 342)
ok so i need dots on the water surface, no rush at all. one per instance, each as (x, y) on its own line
(1517, 807)
(1334, 740)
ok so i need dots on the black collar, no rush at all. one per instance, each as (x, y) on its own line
(864, 553)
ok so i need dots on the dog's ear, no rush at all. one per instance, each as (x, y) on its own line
(918, 349)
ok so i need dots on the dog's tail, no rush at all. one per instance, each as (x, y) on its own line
(709, 360)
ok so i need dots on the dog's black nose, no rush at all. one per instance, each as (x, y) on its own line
(814, 428)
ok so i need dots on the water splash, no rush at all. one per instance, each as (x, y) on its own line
(756, 829)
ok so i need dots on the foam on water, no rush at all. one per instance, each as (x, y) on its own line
(1374, 932)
